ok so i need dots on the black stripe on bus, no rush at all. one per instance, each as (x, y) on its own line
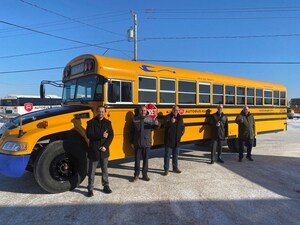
(208, 115)
(230, 121)
(196, 124)
(270, 131)
(111, 105)
(260, 120)
(207, 123)
(269, 119)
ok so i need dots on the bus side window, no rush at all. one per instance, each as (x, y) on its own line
(126, 91)
(258, 96)
(204, 93)
(113, 92)
(250, 96)
(230, 94)
(120, 91)
(282, 98)
(218, 93)
(187, 92)
(241, 96)
(276, 97)
(268, 97)
(167, 91)
(147, 90)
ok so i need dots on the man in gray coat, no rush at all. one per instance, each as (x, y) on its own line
(246, 135)
(141, 140)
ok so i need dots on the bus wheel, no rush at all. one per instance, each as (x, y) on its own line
(61, 166)
(233, 144)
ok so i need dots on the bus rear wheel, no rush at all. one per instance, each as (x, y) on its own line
(61, 166)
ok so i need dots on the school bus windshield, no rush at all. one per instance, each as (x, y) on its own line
(85, 88)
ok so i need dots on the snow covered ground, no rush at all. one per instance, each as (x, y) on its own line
(293, 123)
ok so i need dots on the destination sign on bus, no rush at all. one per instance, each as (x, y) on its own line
(79, 68)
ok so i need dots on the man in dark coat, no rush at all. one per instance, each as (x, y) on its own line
(246, 135)
(141, 139)
(219, 127)
(100, 133)
(174, 129)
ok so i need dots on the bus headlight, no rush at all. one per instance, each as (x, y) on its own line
(14, 146)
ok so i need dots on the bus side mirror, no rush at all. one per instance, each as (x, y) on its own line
(42, 91)
(111, 93)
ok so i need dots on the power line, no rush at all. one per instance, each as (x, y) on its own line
(51, 24)
(222, 62)
(58, 37)
(31, 70)
(222, 18)
(62, 49)
(68, 18)
(224, 10)
(63, 22)
(63, 28)
(221, 37)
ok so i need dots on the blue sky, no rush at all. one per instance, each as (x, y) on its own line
(48, 34)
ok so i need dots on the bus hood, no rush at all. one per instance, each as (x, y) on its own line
(42, 114)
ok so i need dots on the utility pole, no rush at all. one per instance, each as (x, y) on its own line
(132, 34)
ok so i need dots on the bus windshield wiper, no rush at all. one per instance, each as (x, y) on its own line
(82, 100)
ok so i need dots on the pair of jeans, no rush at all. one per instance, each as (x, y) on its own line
(141, 153)
(245, 142)
(92, 170)
(175, 152)
(216, 145)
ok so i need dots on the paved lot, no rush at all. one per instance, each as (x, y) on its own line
(266, 191)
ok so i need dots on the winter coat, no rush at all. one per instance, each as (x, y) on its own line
(246, 126)
(173, 131)
(219, 133)
(141, 131)
(94, 132)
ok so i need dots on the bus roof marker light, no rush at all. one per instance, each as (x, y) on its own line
(67, 72)
(90, 66)
(45, 124)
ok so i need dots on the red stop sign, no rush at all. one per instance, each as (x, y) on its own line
(152, 110)
(28, 106)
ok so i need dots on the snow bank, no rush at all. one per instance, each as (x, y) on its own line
(293, 124)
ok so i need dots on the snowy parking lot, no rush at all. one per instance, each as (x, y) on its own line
(266, 191)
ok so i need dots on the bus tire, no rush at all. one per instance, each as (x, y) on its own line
(233, 144)
(61, 166)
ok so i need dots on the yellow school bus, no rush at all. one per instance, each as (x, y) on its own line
(52, 143)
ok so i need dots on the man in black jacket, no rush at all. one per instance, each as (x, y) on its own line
(100, 133)
(141, 139)
(219, 126)
(174, 129)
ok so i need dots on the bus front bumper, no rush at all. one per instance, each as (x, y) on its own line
(13, 166)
